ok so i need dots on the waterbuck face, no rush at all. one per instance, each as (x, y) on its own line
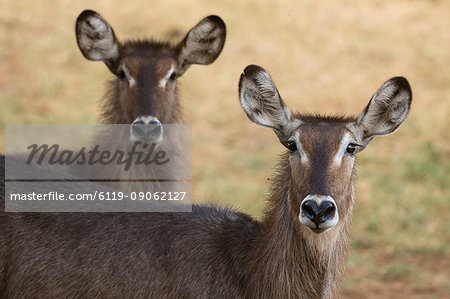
(322, 149)
(147, 71)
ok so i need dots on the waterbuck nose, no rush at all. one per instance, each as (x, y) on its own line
(146, 129)
(318, 214)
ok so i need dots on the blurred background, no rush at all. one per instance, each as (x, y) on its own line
(324, 56)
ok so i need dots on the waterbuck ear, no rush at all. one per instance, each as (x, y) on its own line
(96, 39)
(386, 110)
(202, 44)
(261, 101)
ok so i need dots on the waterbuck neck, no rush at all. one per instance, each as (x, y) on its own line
(289, 261)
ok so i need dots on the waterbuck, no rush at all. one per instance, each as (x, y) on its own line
(296, 251)
(144, 91)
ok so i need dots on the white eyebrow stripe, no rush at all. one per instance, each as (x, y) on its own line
(130, 79)
(337, 160)
(163, 81)
(303, 156)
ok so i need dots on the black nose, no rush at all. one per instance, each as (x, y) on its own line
(143, 131)
(318, 214)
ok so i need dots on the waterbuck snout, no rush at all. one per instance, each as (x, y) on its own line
(318, 212)
(146, 129)
(144, 92)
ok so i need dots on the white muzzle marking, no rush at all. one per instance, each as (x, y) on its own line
(318, 199)
(146, 120)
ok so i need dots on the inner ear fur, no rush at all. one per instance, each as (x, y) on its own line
(386, 110)
(262, 102)
(96, 38)
(202, 44)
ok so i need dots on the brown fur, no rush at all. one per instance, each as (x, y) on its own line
(148, 62)
(300, 264)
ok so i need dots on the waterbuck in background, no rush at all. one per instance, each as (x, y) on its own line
(143, 95)
(145, 88)
(296, 251)
(144, 91)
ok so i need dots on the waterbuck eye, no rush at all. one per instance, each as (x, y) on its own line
(351, 148)
(290, 145)
(173, 76)
(121, 74)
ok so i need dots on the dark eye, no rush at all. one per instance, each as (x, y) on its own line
(121, 74)
(173, 76)
(351, 148)
(290, 145)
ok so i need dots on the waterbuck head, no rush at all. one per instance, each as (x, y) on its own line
(320, 164)
(144, 92)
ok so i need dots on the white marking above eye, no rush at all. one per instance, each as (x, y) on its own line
(130, 79)
(337, 160)
(303, 156)
(164, 80)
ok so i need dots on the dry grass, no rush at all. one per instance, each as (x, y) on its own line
(325, 57)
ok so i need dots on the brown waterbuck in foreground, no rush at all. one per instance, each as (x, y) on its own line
(300, 249)
(296, 251)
